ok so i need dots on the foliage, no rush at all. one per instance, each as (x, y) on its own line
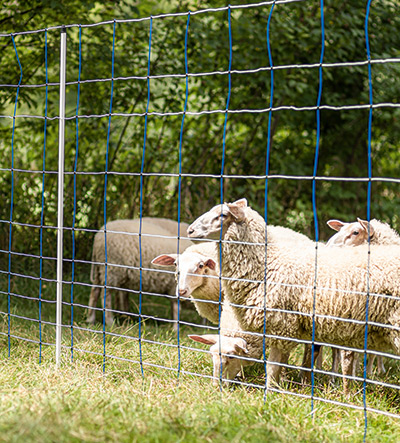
(295, 37)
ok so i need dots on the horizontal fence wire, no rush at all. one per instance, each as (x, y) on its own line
(106, 338)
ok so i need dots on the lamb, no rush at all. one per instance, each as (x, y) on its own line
(355, 234)
(198, 277)
(195, 262)
(289, 289)
(229, 348)
(123, 259)
(199, 280)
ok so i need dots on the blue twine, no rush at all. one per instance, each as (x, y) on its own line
(222, 184)
(42, 211)
(74, 211)
(180, 180)
(105, 201)
(266, 193)
(141, 198)
(12, 203)
(314, 196)
(368, 216)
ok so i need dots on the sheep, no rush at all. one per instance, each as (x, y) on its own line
(123, 251)
(195, 262)
(355, 234)
(288, 290)
(229, 348)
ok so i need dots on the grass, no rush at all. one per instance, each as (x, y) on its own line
(79, 402)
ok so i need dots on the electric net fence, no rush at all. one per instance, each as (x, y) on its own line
(64, 296)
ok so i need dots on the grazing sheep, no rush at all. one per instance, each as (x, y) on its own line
(355, 234)
(123, 260)
(340, 292)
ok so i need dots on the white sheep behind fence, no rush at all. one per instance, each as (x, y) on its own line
(123, 261)
(344, 277)
(355, 234)
(199, 279)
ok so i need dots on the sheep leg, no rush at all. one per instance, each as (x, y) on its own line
(108, 307)
(122, 302)
(94, 297)
(174, 311)
(335, 362)
(381, 366)
(370, 364)
(306, 363)
(273, 371)
(319, 358)
(347, 369)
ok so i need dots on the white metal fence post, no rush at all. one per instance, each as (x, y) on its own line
(63, 53)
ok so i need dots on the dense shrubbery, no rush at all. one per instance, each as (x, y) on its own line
(295, 39)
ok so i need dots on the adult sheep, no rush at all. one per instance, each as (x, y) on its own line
(198, 279)
(123, 260)
(284, 304)
(355, 234)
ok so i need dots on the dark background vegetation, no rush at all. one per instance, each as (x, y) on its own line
(295, 37)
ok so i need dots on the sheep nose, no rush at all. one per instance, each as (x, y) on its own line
(182, 292)
(190, 231)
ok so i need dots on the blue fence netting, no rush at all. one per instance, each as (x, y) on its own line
(101, 189)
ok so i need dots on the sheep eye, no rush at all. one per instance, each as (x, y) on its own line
(201, 266)
(356, 232)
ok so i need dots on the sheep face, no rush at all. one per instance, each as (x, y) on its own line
(350, 234)
(217, 219)
(225, 351)
(192, 267)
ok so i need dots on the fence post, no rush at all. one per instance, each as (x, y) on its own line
(60, 204)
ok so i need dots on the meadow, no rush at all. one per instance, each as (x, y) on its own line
(96, 399)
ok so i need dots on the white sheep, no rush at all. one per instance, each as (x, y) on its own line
(123, 260)
(199, 279)
(343, 279)
(355, 234)
(229, 348)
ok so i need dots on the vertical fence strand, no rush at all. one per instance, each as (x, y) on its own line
(222, 187)
(12, 202)
(317, 145)
(141, 198)
(368, 218)
(105, 199)
(180, 183)
(267, 158)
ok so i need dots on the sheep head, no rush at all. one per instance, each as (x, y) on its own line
(191, 266)
(225, 351)
(217, 219)
(350, 234)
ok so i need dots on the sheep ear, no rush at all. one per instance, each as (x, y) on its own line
(364, 224)
(207, 339)
(242, 203)
(165, 260)
(239, 349)
(211, 264)
(237, 209)
(337, 225)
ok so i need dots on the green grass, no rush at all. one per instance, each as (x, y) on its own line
(78, 402)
